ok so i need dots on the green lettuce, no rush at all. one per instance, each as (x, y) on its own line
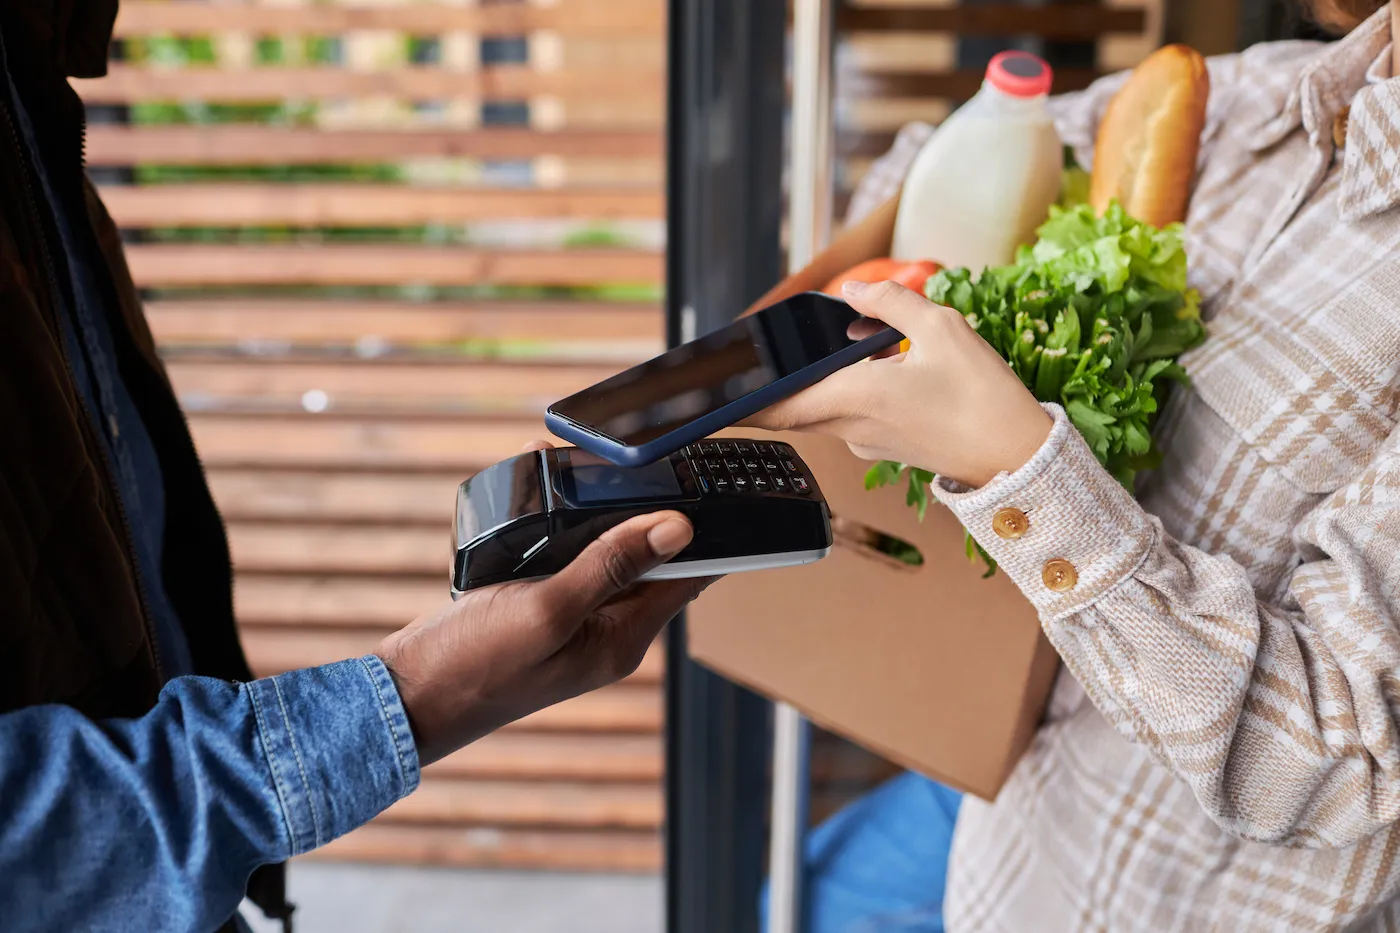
(1093, 316)
(1074, 183)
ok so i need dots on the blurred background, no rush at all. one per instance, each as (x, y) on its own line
(376, 238)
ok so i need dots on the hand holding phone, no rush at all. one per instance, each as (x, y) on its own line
(685, 394)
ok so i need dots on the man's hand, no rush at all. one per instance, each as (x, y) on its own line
(503, 652)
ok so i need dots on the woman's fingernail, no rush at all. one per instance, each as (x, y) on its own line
(853, 289)
(669, 537)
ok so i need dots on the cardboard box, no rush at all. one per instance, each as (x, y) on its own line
(932, 667)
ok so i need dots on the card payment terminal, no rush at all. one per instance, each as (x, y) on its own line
(754, 505)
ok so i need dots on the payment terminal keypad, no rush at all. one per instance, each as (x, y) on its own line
(730, 467)
(753, 504)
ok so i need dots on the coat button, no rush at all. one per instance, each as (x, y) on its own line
(1059, 575)
(1010, 523)
(1339, 127)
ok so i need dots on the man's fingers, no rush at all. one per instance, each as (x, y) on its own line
(646, 608)
(616, 637)
(662, 598)
(537, 445)
(905, 311)
(632, 622)
(617, 560)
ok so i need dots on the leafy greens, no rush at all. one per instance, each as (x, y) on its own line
(1092, 316)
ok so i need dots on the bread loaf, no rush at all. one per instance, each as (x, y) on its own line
(1145, 151)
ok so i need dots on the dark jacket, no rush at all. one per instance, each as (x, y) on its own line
(74, 627)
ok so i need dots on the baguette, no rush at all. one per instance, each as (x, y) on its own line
(1145, 151)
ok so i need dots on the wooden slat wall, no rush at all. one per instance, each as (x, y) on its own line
(369, 270)
(245, 145)
(366, 284)
(615, 18)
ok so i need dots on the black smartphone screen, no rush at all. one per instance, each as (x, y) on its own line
(700, 377)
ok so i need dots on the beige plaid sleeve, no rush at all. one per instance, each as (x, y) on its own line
(1280, 715)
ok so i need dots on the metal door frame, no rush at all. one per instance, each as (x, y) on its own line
(726, 102)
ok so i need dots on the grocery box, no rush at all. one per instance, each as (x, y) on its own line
(929, 665)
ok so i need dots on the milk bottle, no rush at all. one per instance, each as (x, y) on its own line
(986, 179)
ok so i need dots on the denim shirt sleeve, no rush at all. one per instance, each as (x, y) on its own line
(155, 823)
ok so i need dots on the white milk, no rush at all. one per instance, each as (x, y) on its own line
(987, 177)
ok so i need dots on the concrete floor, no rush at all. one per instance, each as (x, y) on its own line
(345, 898)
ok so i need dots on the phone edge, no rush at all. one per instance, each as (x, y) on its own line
(624, 455)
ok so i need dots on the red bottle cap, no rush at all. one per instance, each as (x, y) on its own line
(1019, 74)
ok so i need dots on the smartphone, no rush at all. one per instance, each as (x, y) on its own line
(656, 408)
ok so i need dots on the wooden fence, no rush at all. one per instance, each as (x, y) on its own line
(375, 240)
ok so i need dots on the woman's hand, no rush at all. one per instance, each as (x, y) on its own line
(950, 404)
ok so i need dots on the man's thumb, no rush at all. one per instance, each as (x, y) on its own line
(619, 558)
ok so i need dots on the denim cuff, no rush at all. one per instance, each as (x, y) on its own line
(338, 746)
